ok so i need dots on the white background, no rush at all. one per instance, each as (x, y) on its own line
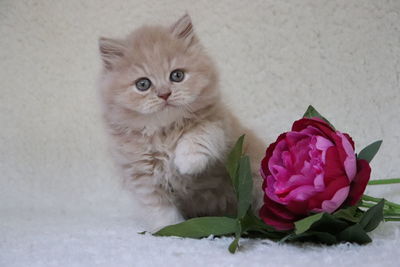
(60, 198)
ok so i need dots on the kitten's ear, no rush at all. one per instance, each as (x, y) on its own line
(111, 51)
(183, 29)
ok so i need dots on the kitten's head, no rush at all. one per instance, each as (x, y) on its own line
(158, 73)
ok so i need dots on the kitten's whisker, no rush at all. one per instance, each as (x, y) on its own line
(189, 109)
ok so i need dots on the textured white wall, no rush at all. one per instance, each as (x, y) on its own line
(275, 58)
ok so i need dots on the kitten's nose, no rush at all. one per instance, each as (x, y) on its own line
(164, 96)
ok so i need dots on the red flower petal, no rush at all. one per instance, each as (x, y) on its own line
(268, 154)
(276, 215)
(350, 140)
(360, 182)
(331, 189)
(334, 166)
(335, 178)
(315, 122)
(339, 146)
(279, 210)
(274, 221)
(345, 158)
(298, 207)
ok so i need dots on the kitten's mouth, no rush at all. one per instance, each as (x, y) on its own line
(165, 106)
(168, 104)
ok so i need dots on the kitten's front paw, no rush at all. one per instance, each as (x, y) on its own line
(165, 216)
(188, 161)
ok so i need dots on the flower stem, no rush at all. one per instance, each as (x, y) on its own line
(391, 214)
(366, 205)
(392, 219)
(384, 181)
(376, 200)
(369, 198)
(391, 211)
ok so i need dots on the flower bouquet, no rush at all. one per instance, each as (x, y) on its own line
(313, 191)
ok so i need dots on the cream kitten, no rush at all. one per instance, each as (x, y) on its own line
(170, 130)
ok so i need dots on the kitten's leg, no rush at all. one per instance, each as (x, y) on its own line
(255, 149)
(159, 212)
(157, 206)
(163, 215)
(199, 147)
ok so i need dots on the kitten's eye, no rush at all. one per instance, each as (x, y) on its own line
(143, 84)
(177, 76)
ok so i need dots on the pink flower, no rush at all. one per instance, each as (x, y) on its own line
(312, 168)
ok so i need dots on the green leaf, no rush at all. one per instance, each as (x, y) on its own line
(369, 152)
(321, 222)
(235, 243)
(252, 222)
(311, 112)
(312, 236)
(306, 223)
(372, 217)
(351, 214)
(200, 227)
(260, 233)
(245, 186)
(233, 161)
(256, 228)
(354, 233)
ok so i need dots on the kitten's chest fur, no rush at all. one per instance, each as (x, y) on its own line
(150, 159)
(159, 150)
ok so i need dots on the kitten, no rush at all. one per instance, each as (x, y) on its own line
(169, 128)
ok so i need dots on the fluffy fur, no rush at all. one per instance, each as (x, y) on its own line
(171, 152)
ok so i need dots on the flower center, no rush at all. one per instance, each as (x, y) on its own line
(297, 166)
